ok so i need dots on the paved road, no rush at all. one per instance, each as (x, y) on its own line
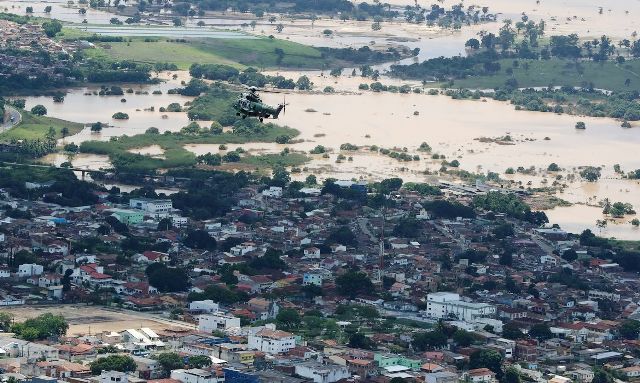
(14, 117)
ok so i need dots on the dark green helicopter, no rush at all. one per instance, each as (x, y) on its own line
(249, 104)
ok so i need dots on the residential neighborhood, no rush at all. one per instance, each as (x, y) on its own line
(293, 287)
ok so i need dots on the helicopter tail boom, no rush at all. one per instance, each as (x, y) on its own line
(278, 110)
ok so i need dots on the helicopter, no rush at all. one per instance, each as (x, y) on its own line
(249, 104)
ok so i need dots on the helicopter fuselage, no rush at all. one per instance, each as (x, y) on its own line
(250, 105)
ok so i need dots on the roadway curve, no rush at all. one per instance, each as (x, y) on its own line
(13, 118)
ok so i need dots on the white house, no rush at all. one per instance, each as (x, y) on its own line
(481, 375)
(442, 305)
(206, 306)
(217, 321)
(179, 221)
(113, 377)
(196, 375)
(273, 191)
(272, 341)
(242, 249)
(322, 373)
(5, 273)
(632, 372)
(549, 260)
(143, 337)
(155, 207)
(311, 252)
(315, 192)
(29, 269)
(423, 215)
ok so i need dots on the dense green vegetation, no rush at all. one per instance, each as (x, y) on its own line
(65, 190)
(509, 204)
(41, 327)
(122, 363)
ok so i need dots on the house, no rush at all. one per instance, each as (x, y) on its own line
(584, 375)
(29, 269)
(549, 260)
(196, 375)
(272, 341)
(136, 288)
(217, 321)
(153, 256)
(311, 252)
(205, 306)
(263, 308)
(113, 377)
(273, 192)
(179, 221)
(47, 280)
(559, 379)
(441, 377)
(479, 375)
(322, 373)
(15, 348)
(148, 368)
(142, 338)
(312, 279)
(632, 372)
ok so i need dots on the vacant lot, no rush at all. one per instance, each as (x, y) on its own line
(90, 319)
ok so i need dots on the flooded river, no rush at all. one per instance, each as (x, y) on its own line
(389, 120)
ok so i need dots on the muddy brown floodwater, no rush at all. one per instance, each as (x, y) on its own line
(388, 120)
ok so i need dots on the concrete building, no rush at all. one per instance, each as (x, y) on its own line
(128, 217)
(113, 377)
(272, 341)
(443, 305)
(29, 270)
(312, 279)
(196, 375)
(322, 373)
(441, 377)
(154, 207)
(217, 321)
(205, 306)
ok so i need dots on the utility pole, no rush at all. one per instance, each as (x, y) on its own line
(382, 240)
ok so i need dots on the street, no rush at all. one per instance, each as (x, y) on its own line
(13, 118)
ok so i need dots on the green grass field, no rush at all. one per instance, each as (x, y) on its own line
(33, 127)
(261, 52)
(181, 54)
(607, 75)
(173, 145)
(239, 53)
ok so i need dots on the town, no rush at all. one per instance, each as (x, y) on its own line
(303, 282)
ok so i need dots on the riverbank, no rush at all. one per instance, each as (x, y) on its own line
(33, 127)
